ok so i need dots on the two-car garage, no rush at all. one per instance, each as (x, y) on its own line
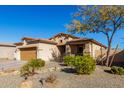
(31, 48)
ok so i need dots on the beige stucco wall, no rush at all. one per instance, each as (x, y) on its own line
(87, 48)
(96, 50)
(63, 38)
(17, 54)
(47, 52)
(7, 52)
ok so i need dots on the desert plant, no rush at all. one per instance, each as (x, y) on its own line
(77, 60)
(32, 66)
(69, 60)
(36, 64)
(117, 70)
(85, 65)
(25, 71)
(82, 64)
(51, 78)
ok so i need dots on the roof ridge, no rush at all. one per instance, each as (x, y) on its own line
(64, 34)
(34, 38)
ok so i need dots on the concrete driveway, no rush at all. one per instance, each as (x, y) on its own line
(10, 64)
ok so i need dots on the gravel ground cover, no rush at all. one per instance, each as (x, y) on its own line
(99, 79)
(10, 64)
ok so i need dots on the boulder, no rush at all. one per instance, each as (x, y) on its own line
(3, 73)
(26, 84)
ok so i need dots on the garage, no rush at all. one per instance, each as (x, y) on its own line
(28, 53)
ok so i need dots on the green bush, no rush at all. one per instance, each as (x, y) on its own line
(117, 70)
(32, 66)
(77, 60)
(82, 64)
(85, 65)
(69, 60)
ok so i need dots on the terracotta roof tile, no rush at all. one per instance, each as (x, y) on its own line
(86, 39)
(64, 35)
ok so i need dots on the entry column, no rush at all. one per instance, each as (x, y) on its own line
(68, 50)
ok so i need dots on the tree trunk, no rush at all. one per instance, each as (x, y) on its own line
(113, 56)
(108, 54)
(109, 47)
(33, 71)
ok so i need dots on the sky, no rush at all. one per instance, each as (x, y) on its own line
(42, 22)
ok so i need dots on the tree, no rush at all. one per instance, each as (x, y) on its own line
(30, 67)
(98, 19)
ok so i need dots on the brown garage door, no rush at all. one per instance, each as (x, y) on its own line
(28, 53)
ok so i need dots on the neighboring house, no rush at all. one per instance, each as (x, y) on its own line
(118, 58)
(56, 47)
(7, 51)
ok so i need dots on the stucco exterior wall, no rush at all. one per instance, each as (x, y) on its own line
(47, 52)
(96, 50)
(87, 48)
(17, 54)
(63, 38)
(7, 52)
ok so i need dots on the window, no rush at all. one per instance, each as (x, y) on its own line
(60, 41)
(79, 50)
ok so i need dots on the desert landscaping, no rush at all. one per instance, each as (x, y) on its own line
(65, 78)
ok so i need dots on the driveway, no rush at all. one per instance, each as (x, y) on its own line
(10, 64)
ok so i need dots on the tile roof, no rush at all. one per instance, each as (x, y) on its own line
(32, 40)
(86, 39)
(59, 34)
(76, 39)
(7, 44)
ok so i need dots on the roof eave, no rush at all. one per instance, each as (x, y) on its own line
(91, 40)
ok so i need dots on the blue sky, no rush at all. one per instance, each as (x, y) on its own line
(41, 22)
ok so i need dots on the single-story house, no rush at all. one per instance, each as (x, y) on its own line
(56, 47)
(7, 51)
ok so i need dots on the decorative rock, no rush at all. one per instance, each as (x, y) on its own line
(16, 72)
(44, 71)
(9, 70)
(3, 74)
(58, 68)
(52, 85)
(26, 84)
(51, 69)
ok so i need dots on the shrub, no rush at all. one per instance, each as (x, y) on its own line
(25, 70)
(85, 65)
(51, 78)
(69, 60)
(117, 70)
(77, 60)
(31, 66)
(82, 64)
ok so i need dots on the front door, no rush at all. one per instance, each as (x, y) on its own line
(80, 50)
